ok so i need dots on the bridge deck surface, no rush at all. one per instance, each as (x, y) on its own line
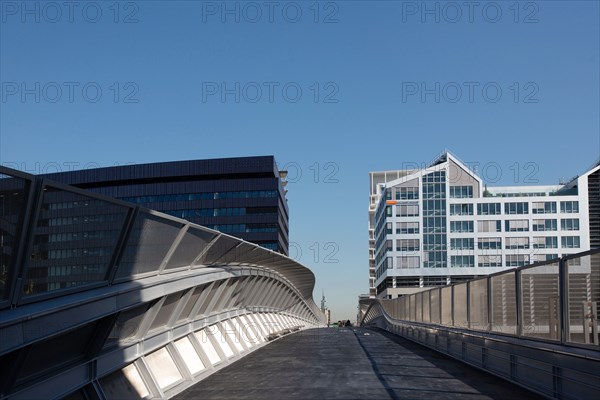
(350, 363)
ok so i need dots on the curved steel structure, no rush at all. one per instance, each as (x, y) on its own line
(103, 299)
(536, 326)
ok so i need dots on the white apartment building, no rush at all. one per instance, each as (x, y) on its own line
(440, 224)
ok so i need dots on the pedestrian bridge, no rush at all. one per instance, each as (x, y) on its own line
(351, 363)
(102, 299)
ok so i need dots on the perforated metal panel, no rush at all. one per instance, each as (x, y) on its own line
(191, 246)
(149, 241)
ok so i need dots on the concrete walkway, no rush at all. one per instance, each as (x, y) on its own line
(350, 363)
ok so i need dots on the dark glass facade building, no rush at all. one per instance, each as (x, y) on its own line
(243, 197)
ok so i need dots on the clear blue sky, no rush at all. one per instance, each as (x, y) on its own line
(370, 63)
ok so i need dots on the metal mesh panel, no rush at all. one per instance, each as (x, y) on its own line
(74, 241)
(236, 254)
(435, 306)
(460, 306)
(426, 317)
(57, 351)
(260, 256)
(419, 306)
(192, 244)
(583, 292)
(209, 298)
(127, 325)
(218, 249)
(446, 312)
(540, 299)
(149, 241)
(504, 303)
(13, 196)
(478, 304)
(166, 311)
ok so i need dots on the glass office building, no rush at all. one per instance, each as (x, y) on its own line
(441, 224)
(244, 197)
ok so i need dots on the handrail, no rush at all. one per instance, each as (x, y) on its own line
(555, 301)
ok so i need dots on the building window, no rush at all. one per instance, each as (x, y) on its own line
(461, 209)
(462, 261)
(434, 220)
(407, 193)
(543, 207)
(462, 244)
(517, 260)
(569, 242)
(461, 226)
(569, 206)
(407, 227)
(388, 194)
(517, 225)
(541, 225)
(489, 243)
(569, 224)
(488, 209)
(407, 245)
(435, 281)
(407, 210)
(201, 196)
(489, 261)
(516, 208)
(461, 192)
(408, 262)
(489, 226)
(545, 242)
(517, 243)
(407, 281)
(388, 228)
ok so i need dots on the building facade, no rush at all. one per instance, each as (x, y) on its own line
(377, 181)
(440, 225)
(244, 197)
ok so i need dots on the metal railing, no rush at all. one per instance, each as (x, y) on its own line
(536, 326)
(555, 301)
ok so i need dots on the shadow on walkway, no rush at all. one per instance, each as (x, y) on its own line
(350, 363)
(409, 370)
